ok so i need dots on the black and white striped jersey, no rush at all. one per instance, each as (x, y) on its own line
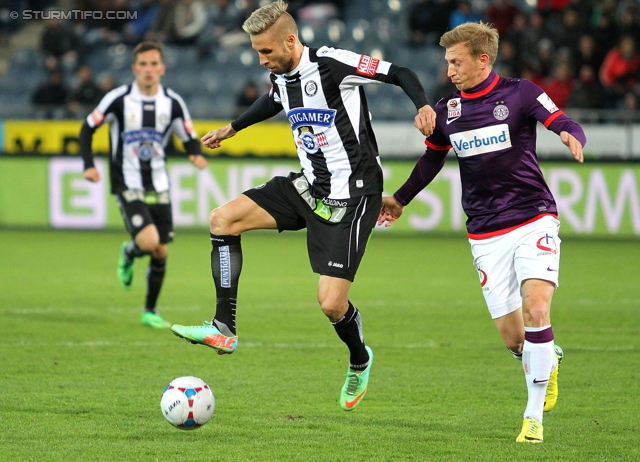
(324, 100)
(140, 128)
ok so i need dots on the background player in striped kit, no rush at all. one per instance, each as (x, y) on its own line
(337, 194)
(142, 118)
(490, 122)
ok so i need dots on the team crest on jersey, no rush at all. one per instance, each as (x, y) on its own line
(307, 141)
(454, 109)
(311, 88)
(501, 112)
(164, 119)
(367, 66)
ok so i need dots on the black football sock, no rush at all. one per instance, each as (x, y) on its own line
(226, 265)
(155, 276)
(349, 329)
(132, 251)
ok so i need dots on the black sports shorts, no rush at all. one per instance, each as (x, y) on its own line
(140, 209)
(337, 230)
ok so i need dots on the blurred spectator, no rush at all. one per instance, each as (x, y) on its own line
(224, 28)
(420, 15)
(161, 29)
(85, 93)
(603, 25)
(50, 98)
(517, 34)
(247, 97)
(586, 54)
(107, 82)
(619, 71)
(543, 62)
(463, 13)
(501, 14)
(508, 63)
(588, 92)
(189, 21)
(560, 84)
(630, 101)
(442, 11)
(60, 45)
(145, 14)
(569, 32)
(535, 33)
(107, 29)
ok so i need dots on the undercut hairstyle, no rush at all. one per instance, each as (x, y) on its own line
(479, 37)
(265, 17)
(143, 47)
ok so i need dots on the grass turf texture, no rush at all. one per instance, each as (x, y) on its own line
(82, 378)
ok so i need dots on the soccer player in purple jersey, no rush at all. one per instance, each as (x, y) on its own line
(490, 123)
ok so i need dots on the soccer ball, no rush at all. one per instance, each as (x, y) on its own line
(187, 403)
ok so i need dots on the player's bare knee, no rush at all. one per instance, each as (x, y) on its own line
(218, 223)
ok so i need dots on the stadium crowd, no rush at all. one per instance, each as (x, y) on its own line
(583, 53)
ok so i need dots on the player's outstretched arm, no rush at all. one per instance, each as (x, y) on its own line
(91, 174)
(198, 160)
(573, 144)
(390, 211)
(214, 138)
(425, 121)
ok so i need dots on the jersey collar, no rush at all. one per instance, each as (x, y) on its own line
(304, 59)
(135, 91)
(483, 87)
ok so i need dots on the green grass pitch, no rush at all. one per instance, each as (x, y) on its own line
(81, 378)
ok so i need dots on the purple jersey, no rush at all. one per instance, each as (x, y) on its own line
(492, 129)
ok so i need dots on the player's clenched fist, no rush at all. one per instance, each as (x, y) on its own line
(425, 121)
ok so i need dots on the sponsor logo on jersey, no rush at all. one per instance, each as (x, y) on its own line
(501, 112)
(454, 110)
(481, 141)
(311, 117)
(547, 244)
(367, 66)
(142, 135)
(547, 103)
(311, 88)
(322, 139)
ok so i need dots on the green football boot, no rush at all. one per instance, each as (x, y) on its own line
(125, 270)
(154, 320)
(355, 386)
(208, 335)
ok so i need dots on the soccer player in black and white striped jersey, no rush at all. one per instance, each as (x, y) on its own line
(336, 195)
(142, 118)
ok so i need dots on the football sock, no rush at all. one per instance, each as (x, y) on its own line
(132, 251)
(226, 265)
(155, 276)
(518, 356)
(349, 329)
(538, 360)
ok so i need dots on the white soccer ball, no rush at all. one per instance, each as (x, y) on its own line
(187, 403)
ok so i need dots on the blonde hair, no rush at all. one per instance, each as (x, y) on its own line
(265, 17)
(479, 37)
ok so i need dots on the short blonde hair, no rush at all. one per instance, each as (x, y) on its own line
(265, 17)
(479, 37)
